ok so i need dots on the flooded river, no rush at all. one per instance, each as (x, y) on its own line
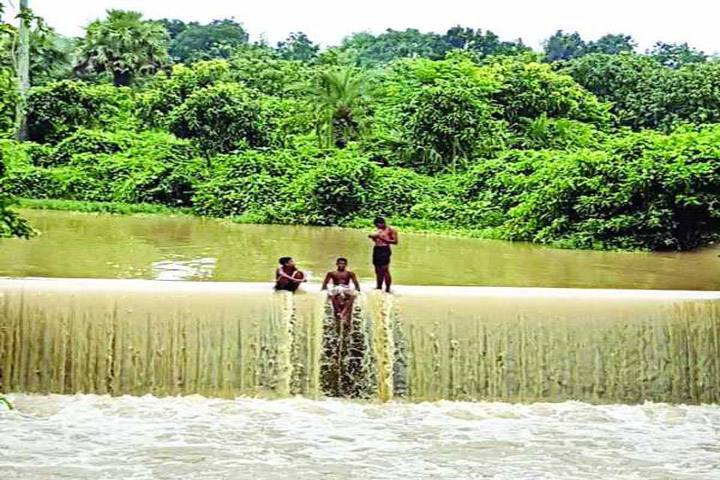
(189, 248)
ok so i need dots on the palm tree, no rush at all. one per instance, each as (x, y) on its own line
(124, 45)
(339, 96)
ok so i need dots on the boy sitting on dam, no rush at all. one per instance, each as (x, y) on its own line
(287, 276)
(341, 293)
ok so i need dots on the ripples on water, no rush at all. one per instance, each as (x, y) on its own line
(88, 436)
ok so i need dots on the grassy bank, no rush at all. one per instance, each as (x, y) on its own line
(115, 208)
(119, 208)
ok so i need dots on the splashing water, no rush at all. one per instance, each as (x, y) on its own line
(125, 438)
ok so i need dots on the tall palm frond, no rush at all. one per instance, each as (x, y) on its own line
(339, 96)
(124, 45)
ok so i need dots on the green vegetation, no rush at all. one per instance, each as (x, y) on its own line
(6, 402)
(124, 46)
(587, 145)
(115, 208)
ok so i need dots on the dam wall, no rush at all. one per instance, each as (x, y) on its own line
(222, 339)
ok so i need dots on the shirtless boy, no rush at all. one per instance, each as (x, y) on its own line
(287, 276)
(341, 295)
(383, 238)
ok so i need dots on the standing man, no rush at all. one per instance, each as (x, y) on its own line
(383, 238)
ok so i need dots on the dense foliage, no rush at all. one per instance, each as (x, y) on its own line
(123, 45)
(590, 145)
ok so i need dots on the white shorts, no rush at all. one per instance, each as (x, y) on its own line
(341, 291)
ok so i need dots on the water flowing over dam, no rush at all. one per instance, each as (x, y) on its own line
(227, 339)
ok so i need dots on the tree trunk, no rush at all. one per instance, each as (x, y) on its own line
(123, 79)
(23, 70)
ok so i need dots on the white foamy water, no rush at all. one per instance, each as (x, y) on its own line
(198, 269)
(100, 437)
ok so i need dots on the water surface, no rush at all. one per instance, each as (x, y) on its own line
(189, 248)
(90, 437)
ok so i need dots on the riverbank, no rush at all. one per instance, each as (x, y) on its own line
(118, 208)
(113, 208)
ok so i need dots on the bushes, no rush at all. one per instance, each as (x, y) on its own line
(37, 182)
(335, 191)
(643, 191)
(396, 191)
(8, 101)
(646, 94)
(531, 89)
(238, 196)
(220, 118)
(85, 141)
(279, 188)
(102, 166)
(11, 225)
(557, 134)
(519, 151)
(252, 181)
(58, 109)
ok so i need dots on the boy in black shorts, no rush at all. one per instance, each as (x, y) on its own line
(383, 238)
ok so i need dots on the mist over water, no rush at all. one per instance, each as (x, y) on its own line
(123, 438)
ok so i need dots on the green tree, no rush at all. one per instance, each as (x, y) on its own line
(485, 44)
(564, 46)
(532, 89)
(339, 97)
(175, 27)
(58, 109)
(50, 54)
(263, 69)
(217, 39)
(164, 93)
(11, 225)
(124, 45)
(612, 44)
(220, 118)
(8, 100)
(646, 94)
(676, 55)
(437, 115)
(298, 47)
(369, 50)
(448, 125)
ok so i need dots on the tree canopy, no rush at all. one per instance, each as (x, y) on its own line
(588, 144)
(123, 45)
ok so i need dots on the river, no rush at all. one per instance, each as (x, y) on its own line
(189, 248)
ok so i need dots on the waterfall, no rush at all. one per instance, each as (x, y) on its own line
(142, 337)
